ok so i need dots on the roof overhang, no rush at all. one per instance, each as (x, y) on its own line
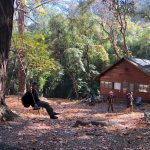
(128, 60)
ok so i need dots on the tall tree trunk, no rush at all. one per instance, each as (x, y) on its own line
(21, 55)
(86, 56)
(125, 43)
(113, 38)
(6, 21)
(75, 86)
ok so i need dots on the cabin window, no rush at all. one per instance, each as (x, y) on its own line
(106, 84)
(125, 86)
(143, 88)
(102, 83)
(117, 86)
(131, 87)
(136, 87)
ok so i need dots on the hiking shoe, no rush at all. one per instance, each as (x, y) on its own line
(54, 117)
(56, 113)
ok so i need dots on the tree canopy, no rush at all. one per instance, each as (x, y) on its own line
(66, 44)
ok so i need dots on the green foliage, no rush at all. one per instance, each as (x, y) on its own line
(42, 82)
(65, 52)
(38, 62)
(37, 55)
(144, 43)
(73, 58)
(99, 57)
(138, 40)
(74, 43)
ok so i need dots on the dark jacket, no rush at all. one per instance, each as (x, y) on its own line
(35, 95)
(129, 99)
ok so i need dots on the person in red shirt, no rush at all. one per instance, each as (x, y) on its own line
(110, 101)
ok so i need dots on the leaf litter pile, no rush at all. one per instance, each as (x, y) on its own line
(79, 127)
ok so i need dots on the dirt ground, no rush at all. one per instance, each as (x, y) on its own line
(37, 132)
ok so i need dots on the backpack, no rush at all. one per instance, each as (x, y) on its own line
(27, 99)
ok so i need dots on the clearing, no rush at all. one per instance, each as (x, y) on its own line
(117, 131)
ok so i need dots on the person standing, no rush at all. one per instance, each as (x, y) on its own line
(129, 101)
(110, 101)
(92, 99)
(39, 103)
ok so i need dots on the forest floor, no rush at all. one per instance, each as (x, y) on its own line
(35, 131)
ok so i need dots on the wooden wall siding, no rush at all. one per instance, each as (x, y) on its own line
(121, 94)
(126, 72)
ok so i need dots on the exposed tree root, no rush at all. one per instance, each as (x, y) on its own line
(6, 114)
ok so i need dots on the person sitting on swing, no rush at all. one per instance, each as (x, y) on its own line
(38, 103)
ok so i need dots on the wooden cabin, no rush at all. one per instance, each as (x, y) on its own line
(128, 74)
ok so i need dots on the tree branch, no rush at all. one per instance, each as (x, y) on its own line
(31, 19)
(45, 2)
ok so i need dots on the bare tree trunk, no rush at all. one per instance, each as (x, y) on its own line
(75, 86)
(120, 15)
(125, 44)
(87, 58)
(3, 66)
(6, 21)
(21, 54)
(113, 38)
(21, 73)
(115, 44)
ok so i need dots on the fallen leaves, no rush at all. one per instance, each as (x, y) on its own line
(79, 127)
